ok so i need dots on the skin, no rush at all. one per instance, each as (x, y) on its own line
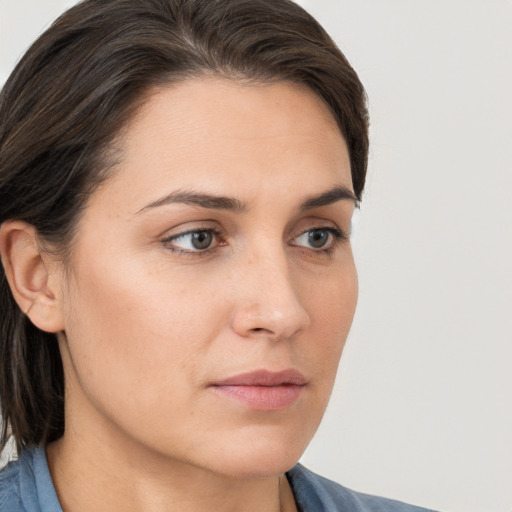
(149, 322)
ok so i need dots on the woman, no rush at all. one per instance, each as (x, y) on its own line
(177, 180)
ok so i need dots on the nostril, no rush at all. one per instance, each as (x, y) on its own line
(258, 330)
(264, 319)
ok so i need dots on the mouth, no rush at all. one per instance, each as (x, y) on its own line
(262, 389)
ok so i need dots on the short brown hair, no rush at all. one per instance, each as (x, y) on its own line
(79, 84)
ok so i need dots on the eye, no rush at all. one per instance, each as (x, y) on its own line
(192, 241)
(319, 238)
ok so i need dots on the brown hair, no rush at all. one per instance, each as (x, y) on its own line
(73, 91)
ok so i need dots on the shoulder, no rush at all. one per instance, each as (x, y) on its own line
(26, 484)
(10, 493)
(314, 493)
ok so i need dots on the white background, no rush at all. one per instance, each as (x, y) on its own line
(422, 409)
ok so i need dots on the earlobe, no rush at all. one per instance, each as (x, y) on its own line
(30, 275)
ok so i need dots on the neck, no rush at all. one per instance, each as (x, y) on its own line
(103, 477)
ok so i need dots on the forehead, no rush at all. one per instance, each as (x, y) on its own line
(218, 134)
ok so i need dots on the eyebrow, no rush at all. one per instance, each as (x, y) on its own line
(334, 195)
(232, 204)
(208, 201)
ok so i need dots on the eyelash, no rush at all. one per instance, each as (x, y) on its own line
(337, 235)
(215, 232)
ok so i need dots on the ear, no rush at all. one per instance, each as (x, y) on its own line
(32, 275)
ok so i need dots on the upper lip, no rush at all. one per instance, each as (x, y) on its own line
(265, 378)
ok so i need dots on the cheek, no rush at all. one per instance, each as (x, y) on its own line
(138, 334)
(332, 306)
(332, 299)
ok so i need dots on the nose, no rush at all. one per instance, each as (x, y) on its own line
(266, 300)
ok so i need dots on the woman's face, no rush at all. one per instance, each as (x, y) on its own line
(212, 282)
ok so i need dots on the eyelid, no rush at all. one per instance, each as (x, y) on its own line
(217, 237)
(337, 234)
(319, 223)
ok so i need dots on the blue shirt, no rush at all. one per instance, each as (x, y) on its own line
(26, 486)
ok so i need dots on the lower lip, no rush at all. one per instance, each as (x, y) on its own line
(263, 398)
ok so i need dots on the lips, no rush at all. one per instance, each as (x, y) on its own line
(262, 389)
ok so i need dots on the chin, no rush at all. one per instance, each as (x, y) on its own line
(260, 457)
(265, 465)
